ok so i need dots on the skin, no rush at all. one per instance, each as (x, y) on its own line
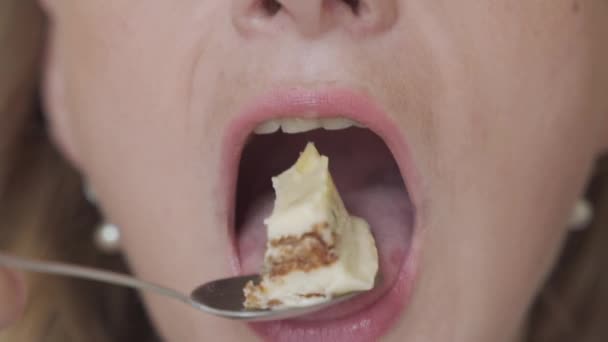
(12, 292)
(500, 102)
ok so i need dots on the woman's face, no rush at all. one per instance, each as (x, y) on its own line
(490, 113)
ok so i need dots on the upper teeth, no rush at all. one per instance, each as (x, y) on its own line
(298, 125)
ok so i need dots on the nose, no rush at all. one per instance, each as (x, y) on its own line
(313, 18)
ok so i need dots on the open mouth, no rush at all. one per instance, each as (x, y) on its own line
(370, 180)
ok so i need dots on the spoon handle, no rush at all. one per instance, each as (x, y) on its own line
(57, 268)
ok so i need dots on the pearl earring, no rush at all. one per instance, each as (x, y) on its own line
(107, 238)
(107, 235)
(582, 215)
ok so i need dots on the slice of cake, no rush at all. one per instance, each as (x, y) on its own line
(315, 249)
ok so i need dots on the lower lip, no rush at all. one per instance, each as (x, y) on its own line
(365, 325)
(376, 319)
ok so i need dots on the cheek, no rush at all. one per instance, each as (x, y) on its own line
(130, 95)
(514, 117)
(142, 145)
(511, 145)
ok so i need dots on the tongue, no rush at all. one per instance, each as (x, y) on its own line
(367, 178)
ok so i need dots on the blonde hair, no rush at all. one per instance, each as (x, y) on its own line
(44, 215)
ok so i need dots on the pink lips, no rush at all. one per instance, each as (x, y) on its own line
(377, 313)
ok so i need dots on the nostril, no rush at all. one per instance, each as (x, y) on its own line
(354, 5)
(271, 7)
(313, 18)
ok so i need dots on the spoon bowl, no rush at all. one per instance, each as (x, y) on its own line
(225, 298)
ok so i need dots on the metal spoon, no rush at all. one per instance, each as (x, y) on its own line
(222, 297)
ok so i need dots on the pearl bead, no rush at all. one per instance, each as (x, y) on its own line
(582, 215)
(107, 238)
